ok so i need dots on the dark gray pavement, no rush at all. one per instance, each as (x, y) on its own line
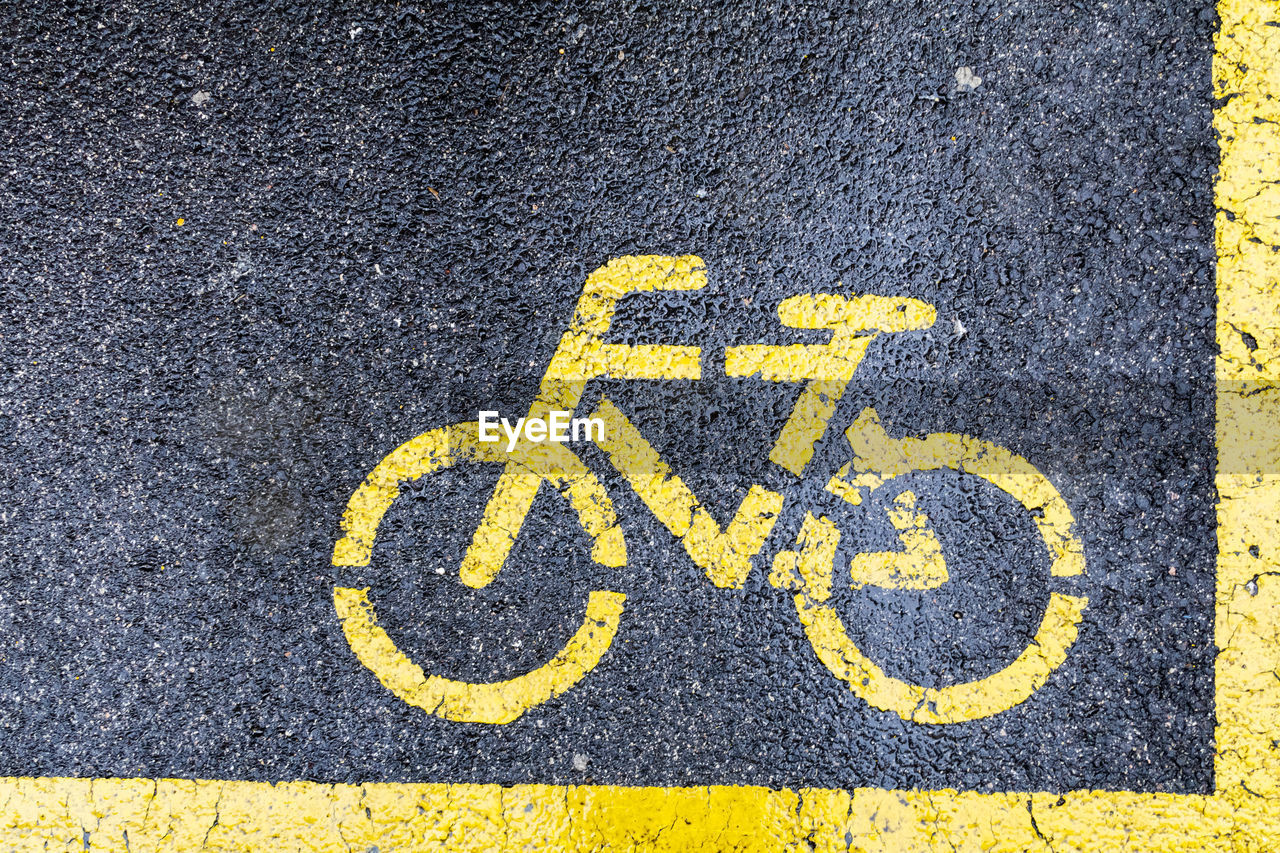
(246, 251)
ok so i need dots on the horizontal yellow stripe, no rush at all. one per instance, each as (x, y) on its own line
(139, 815)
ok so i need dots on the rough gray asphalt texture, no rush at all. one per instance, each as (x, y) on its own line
(389, 212)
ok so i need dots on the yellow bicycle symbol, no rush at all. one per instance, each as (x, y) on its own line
(725, 555)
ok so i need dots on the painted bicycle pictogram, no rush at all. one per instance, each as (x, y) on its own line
(878, 465)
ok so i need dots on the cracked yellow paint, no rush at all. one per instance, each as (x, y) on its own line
(725, 555)
(1246, 75)
(919, 565)
(140, 815)
(143, 815)
(877, 458)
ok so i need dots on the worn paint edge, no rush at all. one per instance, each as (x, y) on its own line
(171, 814)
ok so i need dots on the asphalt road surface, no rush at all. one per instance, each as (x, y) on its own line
(246, 252)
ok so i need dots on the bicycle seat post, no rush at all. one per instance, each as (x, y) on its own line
(582, 355)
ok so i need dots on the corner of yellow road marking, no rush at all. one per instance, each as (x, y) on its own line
(1243, 813)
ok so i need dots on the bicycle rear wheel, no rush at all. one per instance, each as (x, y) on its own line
(453, 699)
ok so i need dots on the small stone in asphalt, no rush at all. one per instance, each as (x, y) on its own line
(966, 79)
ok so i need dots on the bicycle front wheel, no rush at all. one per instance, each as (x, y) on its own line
(878, 461)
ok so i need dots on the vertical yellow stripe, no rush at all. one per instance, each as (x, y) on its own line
(1246, 74)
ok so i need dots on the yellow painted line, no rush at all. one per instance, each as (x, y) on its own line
(1246, 74)
(173, 814)
(854, 322)
(919, 565)
(725, 555)
(1242, 814)
(498, 702)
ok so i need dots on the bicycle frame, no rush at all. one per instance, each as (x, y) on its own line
(582, 355)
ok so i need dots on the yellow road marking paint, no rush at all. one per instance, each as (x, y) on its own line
(810, 571)
(1246, 75)
(500, 525)
(853, 323)
(1242, 814)
(970, 700)
(143, 815)
(448, 446)
(826, 368)
(879, 458)
(919, 565)
(432, 451)
(581, 356)
(808, 422)
(725, 555)
(818, 540)
(499, 702)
